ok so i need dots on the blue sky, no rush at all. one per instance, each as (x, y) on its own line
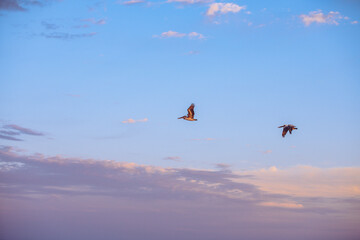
(76, 72)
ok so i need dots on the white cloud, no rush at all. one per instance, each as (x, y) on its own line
(173, 34)
(223, 8)
(320, 17)
(196, 35)
(130, 120)
(354, 22)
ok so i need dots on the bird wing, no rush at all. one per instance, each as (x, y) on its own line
(191, 112)
(284, 131)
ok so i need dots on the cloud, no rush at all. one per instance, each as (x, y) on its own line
(18, 5)
(11, 5)
(49, 26)
(321, 18)
(23, 130)
(222, 166)
(175, 158)
(354, 22)
(282, 205)
(223, 8)
(67, 36)
(94, 21)
(267, 152)
(130, 120)
(16, 130)
(75, 195)
(173, 34)
(131, 2)
(193, 52)
(203, 139)
(9, 138)
(296, 181)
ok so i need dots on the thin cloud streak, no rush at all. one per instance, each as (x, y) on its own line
(23, 130)
(130, 120)
(173, 34)
(131, 2)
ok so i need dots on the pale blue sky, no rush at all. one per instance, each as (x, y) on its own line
(252, 72)
(90, 143)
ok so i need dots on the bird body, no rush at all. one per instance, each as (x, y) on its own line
(190, 115)
(287, 128)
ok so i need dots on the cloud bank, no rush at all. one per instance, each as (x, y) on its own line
(58, 197)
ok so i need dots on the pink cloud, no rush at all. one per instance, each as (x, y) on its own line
(130, 120)
(321, 18)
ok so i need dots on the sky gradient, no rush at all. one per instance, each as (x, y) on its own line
(91, 147)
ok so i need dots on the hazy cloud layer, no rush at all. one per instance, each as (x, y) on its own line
(71, 196)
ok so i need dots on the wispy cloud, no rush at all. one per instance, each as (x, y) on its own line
(173, 34)
(223, 8)
(50, 26)
(222, 166)
(130, 120)
(282, 205)
(16, 130)
(23, 130)
(22, 5)
(354, 22)
(131, 2)
(68, 36)
(266, 152)
(94, 21)
(203, 139)
(321, 18)
(9, 137)
(174, 158)
(11, 5)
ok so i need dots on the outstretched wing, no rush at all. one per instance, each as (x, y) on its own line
(284, 131)
(191, 112)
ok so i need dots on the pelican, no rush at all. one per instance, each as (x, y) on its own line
(190, 115)
(287, 128)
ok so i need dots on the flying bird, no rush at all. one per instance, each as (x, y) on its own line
(190, 115)
(287, 128)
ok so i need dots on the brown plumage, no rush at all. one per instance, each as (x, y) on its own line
(287, 128)
(190, 115)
